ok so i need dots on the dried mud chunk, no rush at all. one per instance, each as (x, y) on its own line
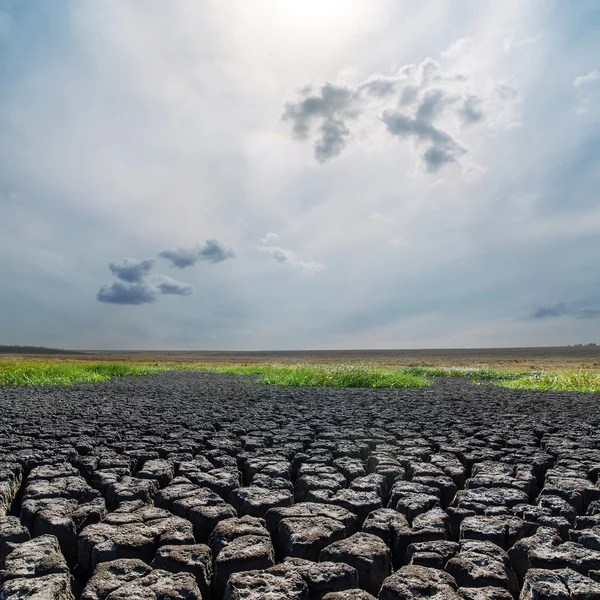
(434, 554)
(413, 582)
(132, 531)
(245, 553)
(307, 483)
(160, 470)
(446, 486)
(359, 503)
(309, 510)
(110, 576)
(229, 529)
(255, 501)
(178, 489)
(559, 507)
(373, 482)
(543, 517)
(11, 532)
(158, 585)
(323, 577)
(579, 492)
(475, 569)
(34, 558)
(354, 594)
(429, 526)
(474, 499)
(391, 527)
(195, 559)
(259, 585)
(129, 489)
(205, 518)
(484, 593)
(221, 481)
(350, 468)
(11, 477)
(268, 482)
(367, 554)
(305, 537)
(590, 538)
(545, 550)
(48, 587)
(562, 584)
(503, 531)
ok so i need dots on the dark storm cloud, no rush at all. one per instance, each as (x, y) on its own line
(131, 270)
(124, 293)
(213, 251)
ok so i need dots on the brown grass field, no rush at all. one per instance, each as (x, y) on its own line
(535, 359)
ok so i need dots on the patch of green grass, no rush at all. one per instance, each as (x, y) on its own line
(42, 372)
(340, 376)
(556, 381)
(469, 372)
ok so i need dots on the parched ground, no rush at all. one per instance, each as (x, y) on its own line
(196, 485)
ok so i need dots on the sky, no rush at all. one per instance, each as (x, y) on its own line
(286, 174)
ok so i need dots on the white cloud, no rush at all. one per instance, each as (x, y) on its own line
(288, 257)
(586, 79)
(459, 47)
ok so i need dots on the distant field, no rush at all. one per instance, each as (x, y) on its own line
(513, 359)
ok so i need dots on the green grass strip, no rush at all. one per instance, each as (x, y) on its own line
(468, 372)
(556, 381)
(339, 376)
(38, 373)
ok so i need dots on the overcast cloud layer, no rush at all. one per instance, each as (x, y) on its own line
(316, 174)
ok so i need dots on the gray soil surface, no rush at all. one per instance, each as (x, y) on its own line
(198, 485)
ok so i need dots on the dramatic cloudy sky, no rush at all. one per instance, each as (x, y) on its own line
(226, 174)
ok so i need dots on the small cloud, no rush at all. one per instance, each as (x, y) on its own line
(444, 148)
(137, 285)
(270, 238)
(289, 258)
(459, 48)
(124, 293)
(589, 313)
(398, 240)
(558, 309)
(171, 287)
(434, 158)
(470, 111)
(512, 44)
(378, 216)
(586, 79)
(213, 251)
(131, 270)
(332, 104)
